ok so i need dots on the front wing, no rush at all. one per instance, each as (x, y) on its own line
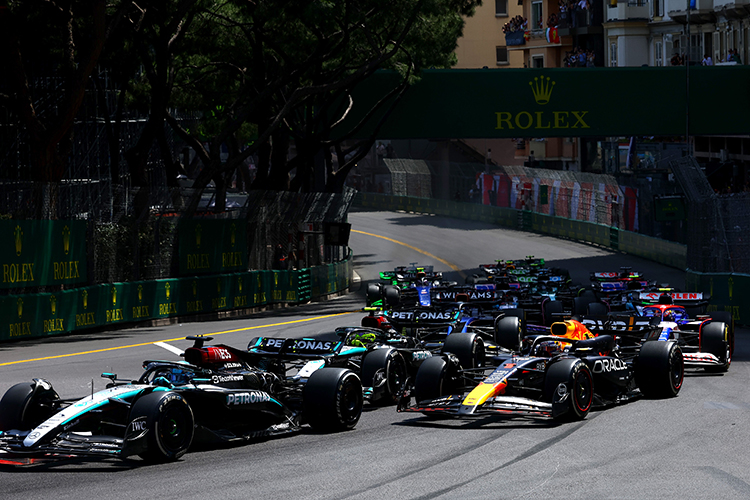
(499, 406)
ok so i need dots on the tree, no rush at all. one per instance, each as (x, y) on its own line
(62, 40)
(286, 66)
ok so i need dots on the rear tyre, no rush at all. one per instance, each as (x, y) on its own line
(598, 309)
(579, 385)
(551, 308)
(714, 339)
(508, 333)
(385, 371)
(467, 347)
(332, 399)
(726, 317)
(170, 423)
(659, 369)
(392, 295)
(373, 293)
(581, 305)
(26, 405)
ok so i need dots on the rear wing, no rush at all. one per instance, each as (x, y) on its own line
(422, 317)
(687, 299)
(294, 348)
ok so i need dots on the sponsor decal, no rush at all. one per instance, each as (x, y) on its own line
(302, 344)
(218, 379)
(422, 316)
(608, 365)
(138, 425)
(245, 398)
(420, 355)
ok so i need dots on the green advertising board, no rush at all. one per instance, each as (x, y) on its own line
(42, 253)
(212, 246)
(556, 102)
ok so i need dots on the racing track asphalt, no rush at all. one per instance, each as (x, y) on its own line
(692, 446)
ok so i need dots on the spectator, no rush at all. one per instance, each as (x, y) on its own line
(736, 56)
(676, 60)
(279, 258)
(707, 61)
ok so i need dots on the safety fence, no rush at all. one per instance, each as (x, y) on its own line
(112, 304)
(725, 289)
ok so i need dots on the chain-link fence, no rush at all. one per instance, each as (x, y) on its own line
(718, 239)
(133, 234)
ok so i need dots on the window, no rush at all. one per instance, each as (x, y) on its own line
(537, 22)
(501, 7)
(613, 53)
(658, 54)
(501, 54)
(657, 8)
(537, 61)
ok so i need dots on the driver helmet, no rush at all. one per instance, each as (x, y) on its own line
(548, 348)
(668, 315)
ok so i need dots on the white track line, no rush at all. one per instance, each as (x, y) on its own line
(170, 348)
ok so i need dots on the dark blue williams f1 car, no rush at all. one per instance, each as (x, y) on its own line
(218, 394)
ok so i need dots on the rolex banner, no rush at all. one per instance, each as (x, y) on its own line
(212, 246)
(42, 252)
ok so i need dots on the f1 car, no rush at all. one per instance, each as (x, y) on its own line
(385, 360)
(218, 394)
(405, 285)
(707, 339)
(561, 375)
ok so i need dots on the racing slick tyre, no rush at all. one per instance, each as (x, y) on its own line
(26, 405)
(385, 371)
(578, 383)
(518, 313)
(373, 293)
(332, 400)
(589, 295)
(597, 309)
(170, 423)
(715, 339)
(550, 308)
(659, 369)
(581, 305)
(725, 317)
(467, 347)
(392, 295)
(508, 333)
(433, 379)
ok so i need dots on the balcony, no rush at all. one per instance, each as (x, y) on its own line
(703, 13)
(631, 9)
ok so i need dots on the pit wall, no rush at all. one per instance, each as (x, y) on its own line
(725, 289)
(111, 305)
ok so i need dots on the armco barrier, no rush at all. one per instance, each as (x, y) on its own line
(39, 315)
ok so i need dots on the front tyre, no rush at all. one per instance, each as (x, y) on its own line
(467, 347)
(508, 333)
(569, 380)
(24, 406)
(659, 369)
(332, 399)
(432, 379)
(169, 422)
(385, 371)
